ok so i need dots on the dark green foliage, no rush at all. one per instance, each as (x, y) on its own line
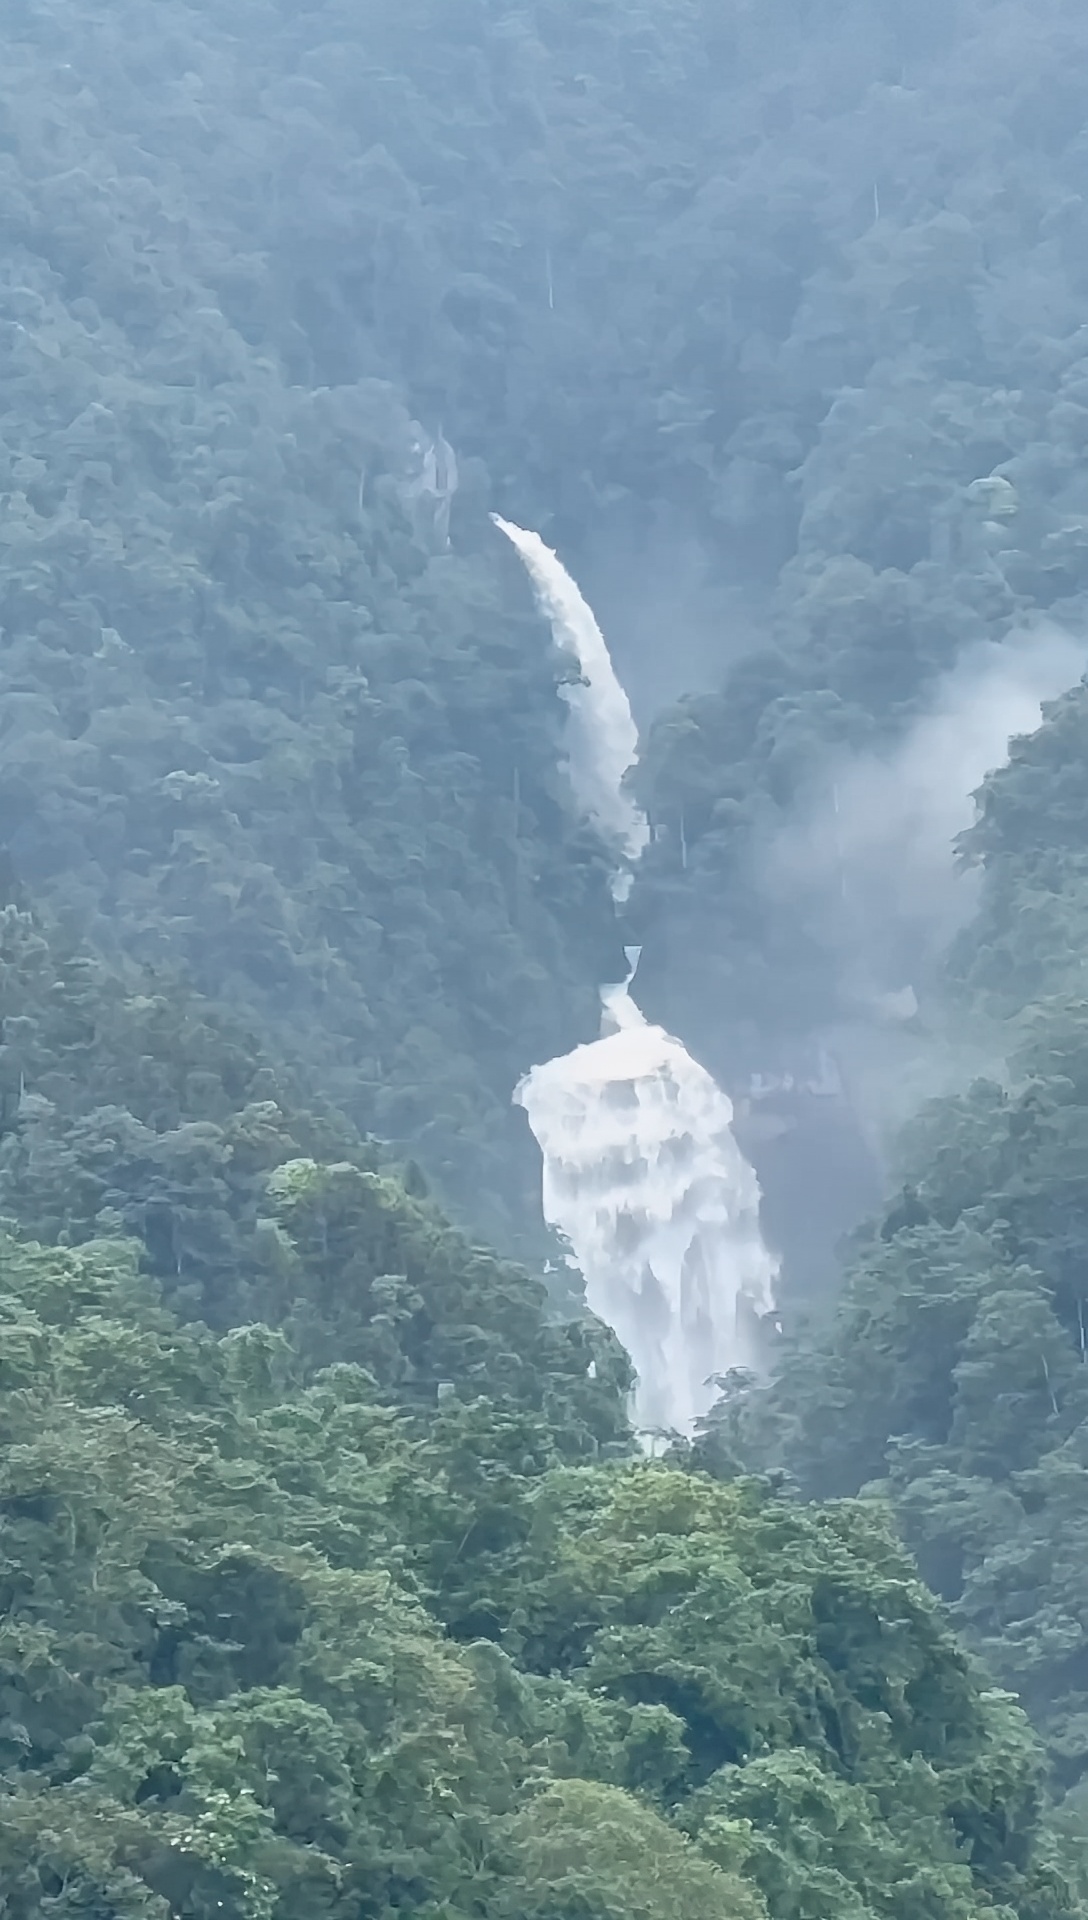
(370, 1275)
(224, 1687)
(127, 1099)
(133, 1106)
(320, 1595)
(1031, 842)
(586, 1849)
(258, 720)
(953, 1370)
(807, 279)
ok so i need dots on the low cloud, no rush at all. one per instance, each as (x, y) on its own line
(872, 860)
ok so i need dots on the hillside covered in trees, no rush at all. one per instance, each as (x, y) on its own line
(334, 1584)
(952, 1376)
(227, 1687)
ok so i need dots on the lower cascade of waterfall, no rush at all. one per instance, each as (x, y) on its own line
(645, 1183)
(643, 1178)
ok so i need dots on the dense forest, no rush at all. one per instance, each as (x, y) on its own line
(335, 1584)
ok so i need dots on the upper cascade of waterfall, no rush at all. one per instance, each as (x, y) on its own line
(646, 1184)
(602, 739)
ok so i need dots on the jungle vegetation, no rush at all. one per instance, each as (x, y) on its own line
(334, 1587)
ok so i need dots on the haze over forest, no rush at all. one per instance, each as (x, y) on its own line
(335, 1583)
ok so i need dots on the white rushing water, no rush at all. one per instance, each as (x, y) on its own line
(601, 736)
(645, 1182)
(642, 1177)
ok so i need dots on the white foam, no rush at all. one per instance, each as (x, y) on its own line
(601, 736)
(644, 1181)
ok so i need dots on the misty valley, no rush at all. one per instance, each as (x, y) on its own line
(543, 929)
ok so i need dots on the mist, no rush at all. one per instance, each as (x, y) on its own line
(870, 861)
(866, 865)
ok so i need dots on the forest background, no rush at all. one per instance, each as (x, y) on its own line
(770, 317)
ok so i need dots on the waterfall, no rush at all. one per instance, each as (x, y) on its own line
(601, 736)
(642, 1177)
(645, 1182)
